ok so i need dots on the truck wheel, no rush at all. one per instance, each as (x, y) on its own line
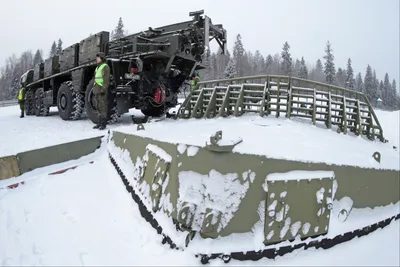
(40, 108)
(29, 103)
(153, 111)
(70, 103)
(90, 107)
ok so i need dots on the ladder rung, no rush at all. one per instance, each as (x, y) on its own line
(251, 104)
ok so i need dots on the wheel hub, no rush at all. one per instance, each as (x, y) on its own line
(63, 101)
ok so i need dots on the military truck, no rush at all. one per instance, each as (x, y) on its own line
(147, 70)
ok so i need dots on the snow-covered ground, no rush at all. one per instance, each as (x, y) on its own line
(86, 217)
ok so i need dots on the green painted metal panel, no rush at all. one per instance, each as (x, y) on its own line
(42, 157)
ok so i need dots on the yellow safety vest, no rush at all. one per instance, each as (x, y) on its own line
(194, 82)
(21, 94)
(98, 75)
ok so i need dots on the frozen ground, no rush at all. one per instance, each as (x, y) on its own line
(85, 216)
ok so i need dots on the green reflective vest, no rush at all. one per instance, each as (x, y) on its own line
(98, 75)
(21, 94)
(194, 82)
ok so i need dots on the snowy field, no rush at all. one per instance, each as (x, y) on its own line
(86, 217)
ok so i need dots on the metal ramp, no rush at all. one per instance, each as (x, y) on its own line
(284, 96)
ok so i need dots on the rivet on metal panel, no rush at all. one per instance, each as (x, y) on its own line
(377, 156)
(216, 147)
(140, 127)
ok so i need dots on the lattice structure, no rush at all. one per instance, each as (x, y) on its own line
(288, 96)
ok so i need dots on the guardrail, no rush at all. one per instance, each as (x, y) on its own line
(294, 97)
(6, 103)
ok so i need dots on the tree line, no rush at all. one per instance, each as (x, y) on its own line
(14, 67)
(247, 63)
(241, 63)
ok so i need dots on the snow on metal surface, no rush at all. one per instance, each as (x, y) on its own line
(216, 191)
(159, 152)
(300, 175)
(282, 139)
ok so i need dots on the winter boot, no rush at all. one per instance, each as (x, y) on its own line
(97, 126)
(103, 123)
(22, 114)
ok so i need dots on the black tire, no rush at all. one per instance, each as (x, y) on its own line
(152, 111)
(29, 103)
(40, 108)
(70, 103)
(112, 114)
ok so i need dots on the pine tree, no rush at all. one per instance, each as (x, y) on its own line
(286, 60)
(53, 49)
(118, 32)
(238, 55)
(230, 71)
(359, 85)
(37, 58)
(303, 72)
(59, 46)
(329, 70)
(340, 77)
(296, 68)
(369, 85)
(350, 82)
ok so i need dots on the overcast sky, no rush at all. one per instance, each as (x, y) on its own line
(365, 30)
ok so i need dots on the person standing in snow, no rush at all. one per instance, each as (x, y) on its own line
(21, 100)
(100, 90)
(194, 81)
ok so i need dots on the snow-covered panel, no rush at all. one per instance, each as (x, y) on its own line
(215, 191)
(159, 152)
(300, 175)
(133, 171)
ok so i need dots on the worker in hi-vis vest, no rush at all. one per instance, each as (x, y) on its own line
(194, 81)
(21, 100)
(100, 90)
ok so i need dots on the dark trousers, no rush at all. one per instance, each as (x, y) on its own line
(101, 101)
(22, 107)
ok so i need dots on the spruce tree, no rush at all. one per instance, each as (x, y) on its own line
(268, 64)
(386, 89)
(230, 71)
(350, 81)
(286, 64)
(37, 58)
(381, 91)
(53, 49)
(340, 77)
(118, 32)
(394, 87)
(369, 85)
(238, 55)
(329, 70)
(303, 72)
(59, 46)
(359, 85)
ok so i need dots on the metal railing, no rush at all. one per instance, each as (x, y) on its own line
(293, 97)
(6, 103)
